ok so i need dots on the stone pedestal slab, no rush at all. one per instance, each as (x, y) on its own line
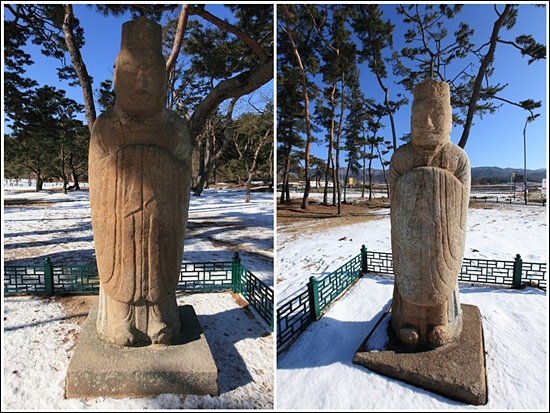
(456, 370)
(98, 369)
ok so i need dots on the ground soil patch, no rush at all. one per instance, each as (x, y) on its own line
(290, 216)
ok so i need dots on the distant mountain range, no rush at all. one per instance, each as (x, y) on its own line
(504, 175)
(480, 175)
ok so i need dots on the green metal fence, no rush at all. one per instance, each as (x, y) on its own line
(47, 278)
(206, 276)
(324, 291)
(50, 279)
(300, 310)
(259, 295)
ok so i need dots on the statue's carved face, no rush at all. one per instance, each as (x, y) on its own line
(431, 122)
(140, 83)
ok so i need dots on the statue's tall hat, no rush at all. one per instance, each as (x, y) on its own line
(141, 33)
(432, 89)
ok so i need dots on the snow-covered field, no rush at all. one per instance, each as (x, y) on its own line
(59, 226)
(39, 334)
(317, 371)
(495, 232)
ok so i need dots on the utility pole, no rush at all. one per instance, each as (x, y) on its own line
(525, 161)
(528, 120)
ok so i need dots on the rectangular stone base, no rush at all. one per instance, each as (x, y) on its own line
(456, 370)
(98, 369)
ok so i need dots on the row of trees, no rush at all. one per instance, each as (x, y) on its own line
(322, 50)
(212, 66)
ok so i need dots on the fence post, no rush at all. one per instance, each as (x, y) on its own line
(516, 283)
(235, 273)
(313, 294)
(364, 259)
(48, 276)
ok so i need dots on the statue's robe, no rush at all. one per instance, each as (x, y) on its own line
(429, 197)
(139, 176)
(428, 230)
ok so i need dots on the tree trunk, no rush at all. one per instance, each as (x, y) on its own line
(178, 40)
(388, 108)
(76, 185)
(481, 75)
(248, 188)
(370, 171)
(306, 108)
(325, 193)
(62, 169)
(228, 136)
(74, 173)
(383, 171)
(285, 190)
(364, 171)
(346, 183)
(39, 182)
(271, 167)
(335, 160)
(79, 66)
(339, 135)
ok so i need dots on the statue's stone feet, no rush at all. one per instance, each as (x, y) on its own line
(409, 335)
(120, 334)
(160, 333)
(438, 336)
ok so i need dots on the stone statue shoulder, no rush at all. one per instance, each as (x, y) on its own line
(450, 157)
(460, 163)
(180, 129)
(400, 161)
(104, 134)
(109, 134)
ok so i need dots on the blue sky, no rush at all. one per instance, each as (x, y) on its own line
(102, 44)
(497, 139)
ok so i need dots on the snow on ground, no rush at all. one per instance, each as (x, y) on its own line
(495, 232)
(39, 339)
(59, 226)
(317, 371)
(39, 335)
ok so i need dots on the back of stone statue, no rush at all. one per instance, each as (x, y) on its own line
(140, 179)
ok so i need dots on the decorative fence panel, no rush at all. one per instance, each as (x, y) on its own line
(534, 273)
(487, 271)
(334, 284)
(292, 318)
(297, 313)
(75, 279)
(259, 295)
(294, 315)
(24, 280)
(206, 276)
(379, 262)
(203, 276)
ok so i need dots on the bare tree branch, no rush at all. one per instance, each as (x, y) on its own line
(481, 72)
(200, 11)
(178, 40)
(239, 85)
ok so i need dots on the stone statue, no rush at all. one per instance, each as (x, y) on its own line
(429, 196)
(140, 179)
